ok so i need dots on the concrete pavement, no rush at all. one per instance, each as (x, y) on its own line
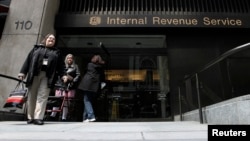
(103, 131)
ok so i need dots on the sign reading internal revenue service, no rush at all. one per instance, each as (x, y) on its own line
(152, 21)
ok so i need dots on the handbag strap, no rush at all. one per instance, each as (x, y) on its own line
(20, 83)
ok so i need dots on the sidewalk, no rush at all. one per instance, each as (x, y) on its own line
(103, 131)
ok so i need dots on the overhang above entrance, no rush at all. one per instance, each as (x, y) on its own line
(112, 41)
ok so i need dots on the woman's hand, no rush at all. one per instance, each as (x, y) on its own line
(21, 76)
(65, 78)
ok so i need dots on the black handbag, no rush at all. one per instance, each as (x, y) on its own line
(17, 97)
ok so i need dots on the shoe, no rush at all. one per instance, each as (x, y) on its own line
(86, 120)
(38, 122)
(64, 120)
(92, 120)
(30, 121)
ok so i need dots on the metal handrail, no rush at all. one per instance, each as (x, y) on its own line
(208, 65)
(219, 58)
(10, 77)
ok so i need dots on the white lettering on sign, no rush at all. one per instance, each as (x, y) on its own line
(174, 21)
(127, 21)
(159, 21)
(225, 22)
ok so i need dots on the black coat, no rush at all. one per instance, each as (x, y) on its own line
(33, 63)
(74, 72)
(92, 78)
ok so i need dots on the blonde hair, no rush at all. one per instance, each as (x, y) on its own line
(66, 62)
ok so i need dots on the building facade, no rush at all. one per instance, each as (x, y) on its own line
(149, 45)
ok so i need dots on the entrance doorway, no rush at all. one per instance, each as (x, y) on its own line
(136, 75)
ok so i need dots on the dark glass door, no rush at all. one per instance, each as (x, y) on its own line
(137, 87)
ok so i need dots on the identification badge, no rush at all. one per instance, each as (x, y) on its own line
(45, 61)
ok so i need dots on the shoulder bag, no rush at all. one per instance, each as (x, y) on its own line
(17, 97)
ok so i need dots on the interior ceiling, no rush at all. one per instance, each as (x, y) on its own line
(112, 41)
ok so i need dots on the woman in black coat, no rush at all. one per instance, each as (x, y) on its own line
(40, 68)
(90, 85)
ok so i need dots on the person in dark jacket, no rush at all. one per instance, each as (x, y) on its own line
(90, 84)
(70, 78)
(40, 68)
